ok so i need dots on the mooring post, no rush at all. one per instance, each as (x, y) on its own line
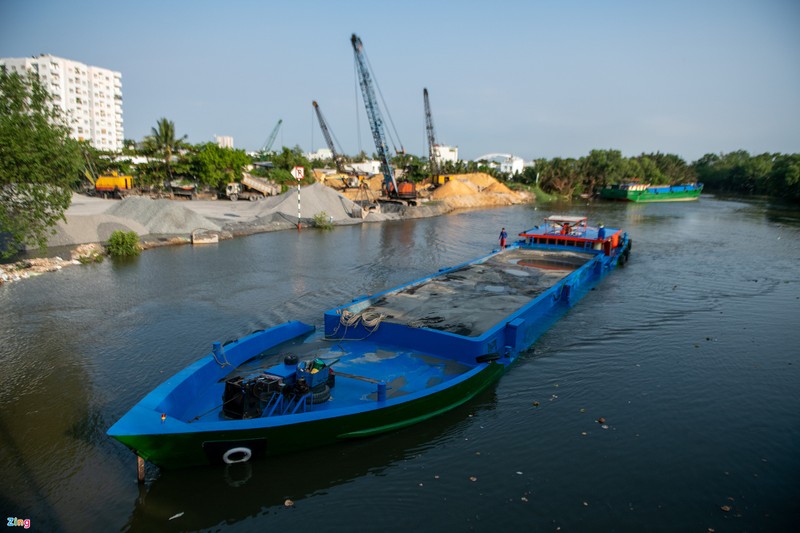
(139, 469)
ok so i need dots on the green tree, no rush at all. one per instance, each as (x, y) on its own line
(163, 143)
(38, 163)
(785, 177)
(601, 168)
(215, 166)
(285, 161)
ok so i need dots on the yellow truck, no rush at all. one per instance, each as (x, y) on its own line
(113, 185)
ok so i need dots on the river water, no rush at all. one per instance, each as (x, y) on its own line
(689, 353)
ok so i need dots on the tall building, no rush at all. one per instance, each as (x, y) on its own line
(444, 153)
(224, 141)
(90, 97)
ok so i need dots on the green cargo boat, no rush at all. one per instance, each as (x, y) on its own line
(637, 192)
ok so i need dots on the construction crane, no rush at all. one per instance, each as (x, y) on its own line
(323, 125)
(376, 125)
(268, 145)
(431, 137)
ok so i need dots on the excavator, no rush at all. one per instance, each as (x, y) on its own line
(437, 178)
(403, 191)
(352, 179)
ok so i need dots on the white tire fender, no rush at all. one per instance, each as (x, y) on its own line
(246, 455)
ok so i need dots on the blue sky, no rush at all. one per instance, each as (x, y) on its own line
(535, 78)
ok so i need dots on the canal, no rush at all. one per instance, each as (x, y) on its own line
(688, 354)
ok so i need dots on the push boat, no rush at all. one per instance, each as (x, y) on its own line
(380, 362)
(637, 192)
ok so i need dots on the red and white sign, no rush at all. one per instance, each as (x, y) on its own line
(298, 173)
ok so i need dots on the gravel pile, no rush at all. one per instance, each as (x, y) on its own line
(161, 216)
(314, 199)
(79, 229)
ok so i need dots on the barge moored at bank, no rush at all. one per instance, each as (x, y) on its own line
(638, 192)
(380, 362)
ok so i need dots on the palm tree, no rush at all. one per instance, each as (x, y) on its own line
(162, 141)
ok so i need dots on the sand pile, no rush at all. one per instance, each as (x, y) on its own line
(499, 188)
(475, 190)
(375, 183)
(161, 216)
(481, 179)
(453, 188)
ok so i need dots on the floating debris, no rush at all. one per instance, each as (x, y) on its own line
(173, 517)
(536, 404)
(473, 478)
(288, 503)
(601, 420)
(726, 508)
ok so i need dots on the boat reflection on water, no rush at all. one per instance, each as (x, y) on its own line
(206, 497)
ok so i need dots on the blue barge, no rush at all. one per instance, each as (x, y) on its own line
(380, 362)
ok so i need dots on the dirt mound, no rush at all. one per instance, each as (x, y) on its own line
(161, 216)
(453, 188)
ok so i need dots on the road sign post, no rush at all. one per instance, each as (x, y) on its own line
(299, 174)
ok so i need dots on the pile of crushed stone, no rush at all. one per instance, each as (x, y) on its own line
(161, 216)
(314, 199)
(91, 228)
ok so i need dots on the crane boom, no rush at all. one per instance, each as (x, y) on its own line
(323, 125)
(431, 136)
(271, 140)
(374, 115)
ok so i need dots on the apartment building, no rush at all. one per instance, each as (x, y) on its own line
(90, 97)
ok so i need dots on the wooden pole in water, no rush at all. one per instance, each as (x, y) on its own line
(139, 469)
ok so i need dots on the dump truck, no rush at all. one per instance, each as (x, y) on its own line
(251, 188)
(113, 185)
(182, 188)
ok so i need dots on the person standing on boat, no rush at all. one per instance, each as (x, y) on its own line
(503, 237)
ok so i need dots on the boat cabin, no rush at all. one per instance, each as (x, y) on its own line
(574, 232)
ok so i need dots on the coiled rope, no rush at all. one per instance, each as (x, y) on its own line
(370, 320)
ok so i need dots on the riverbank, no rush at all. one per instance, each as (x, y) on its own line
(91, 220)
